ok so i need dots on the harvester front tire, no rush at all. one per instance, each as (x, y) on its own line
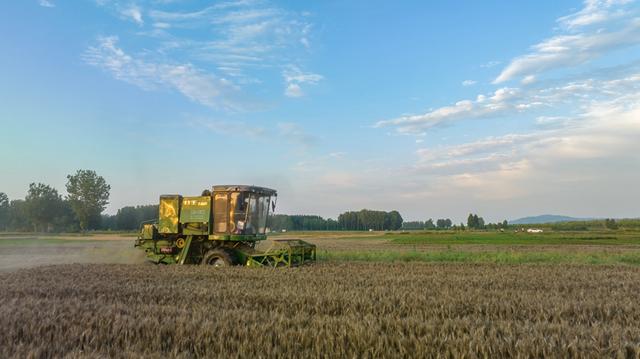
(219, 258)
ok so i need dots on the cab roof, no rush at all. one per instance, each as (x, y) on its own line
(244, 188)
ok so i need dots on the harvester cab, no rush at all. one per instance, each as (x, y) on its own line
(221, 227)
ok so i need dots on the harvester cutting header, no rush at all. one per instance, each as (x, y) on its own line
(220, 228)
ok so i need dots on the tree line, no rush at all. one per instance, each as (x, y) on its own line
(366, 219)
(279, 222)
(362, 220)
(129, 218)
(473, 222)
(44, 209)
(441, 223)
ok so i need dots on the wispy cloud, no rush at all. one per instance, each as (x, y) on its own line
(540, 161)
(195, 84)
(246, 41)
(494, 104)
(294, 78)
(469, 82)
(133, 13)
(516, 101)
(577, 47)
(246, 34)
(46, 3)
(594, 12)
(491, 64)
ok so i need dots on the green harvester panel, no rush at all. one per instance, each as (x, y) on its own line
(169, 214)
(195, 210)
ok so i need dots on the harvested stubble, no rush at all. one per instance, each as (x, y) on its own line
(343, 310)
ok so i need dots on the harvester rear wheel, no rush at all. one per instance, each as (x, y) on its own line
(219, 258)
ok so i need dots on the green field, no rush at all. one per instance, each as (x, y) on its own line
(583, 247)
(497, 257)
(600, 247)
(517, 238)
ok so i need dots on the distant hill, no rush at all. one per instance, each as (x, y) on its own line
(547, 218)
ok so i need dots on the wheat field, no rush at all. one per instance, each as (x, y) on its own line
(324, 310)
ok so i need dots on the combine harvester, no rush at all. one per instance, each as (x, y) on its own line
(219, 228)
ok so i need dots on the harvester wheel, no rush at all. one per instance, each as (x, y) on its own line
(219, 258)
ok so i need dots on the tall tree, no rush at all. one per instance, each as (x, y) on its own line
(43, 204)
(429, 224)
(4, 211)
(471, 223)
(480, 222)
(88, 196)
(18, 217)
(395, 221)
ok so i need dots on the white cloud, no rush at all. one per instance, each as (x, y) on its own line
(491, 105)
(245, 35)
(574, 48)
(594, 12)
(133, 13)
(46, 3)
(491, 64)
(605, 130)
(244, 39)
(294, 77)
(468, 82)
(528, 80)
(192, 82)
(515, 101)
(541, 170)
(293, 90)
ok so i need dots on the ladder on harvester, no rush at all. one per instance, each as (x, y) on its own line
(284, 252)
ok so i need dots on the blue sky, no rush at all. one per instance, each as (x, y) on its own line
(434, 109)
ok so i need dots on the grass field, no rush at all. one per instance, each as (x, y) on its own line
(419, 294)
(517, 238)
(592, 247)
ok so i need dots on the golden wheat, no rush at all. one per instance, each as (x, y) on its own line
(325, 310)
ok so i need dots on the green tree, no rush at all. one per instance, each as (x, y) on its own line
(88, 196)
(43, 204)
(505, 224)
(471, 221)
(395, 221)
(4, 211)
(479, 221)
(17, 218)
(126, 218)
(65, 219)
(429, 224)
